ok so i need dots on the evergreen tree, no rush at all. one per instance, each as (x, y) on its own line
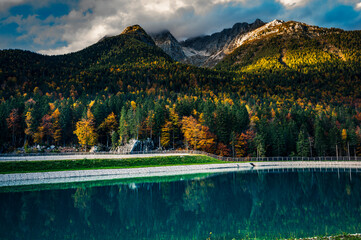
(303, 143)
(66, 123)
(260, 145)
(320, 139)
(335, 141)
(115, 139)
(278, 141)
(123, 127)
(223, 123)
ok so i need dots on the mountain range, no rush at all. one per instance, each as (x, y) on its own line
(205, 51)
(208, 51)
(274, 50)
(268, 85)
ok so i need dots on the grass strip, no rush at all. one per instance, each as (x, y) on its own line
(87, 164)
(102, 183)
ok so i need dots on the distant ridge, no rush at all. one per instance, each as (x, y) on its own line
(204, 51)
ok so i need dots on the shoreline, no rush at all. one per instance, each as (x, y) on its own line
(23, 179)
(85, 156)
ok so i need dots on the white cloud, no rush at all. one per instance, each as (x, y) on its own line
(293, 3)
(82, 27)
(358, 6)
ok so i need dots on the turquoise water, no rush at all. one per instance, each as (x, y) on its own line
(233, 205)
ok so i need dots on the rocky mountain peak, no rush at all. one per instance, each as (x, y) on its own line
(208, 50)
(164, 35)
(139, 33)
(166, 41)
(134, 29)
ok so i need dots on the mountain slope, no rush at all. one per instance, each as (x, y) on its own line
(23, 69)
(322, 62)
(292, 45)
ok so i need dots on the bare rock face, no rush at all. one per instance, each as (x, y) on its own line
(204, 51)
(207, 51)
(166, 41)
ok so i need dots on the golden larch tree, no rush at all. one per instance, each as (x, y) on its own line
(85, 131)
(56, 128)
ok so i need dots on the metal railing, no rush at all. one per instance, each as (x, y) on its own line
(227, 159)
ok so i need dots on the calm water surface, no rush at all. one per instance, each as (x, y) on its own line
(233, 205)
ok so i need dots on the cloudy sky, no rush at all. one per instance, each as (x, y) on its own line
(56, 27)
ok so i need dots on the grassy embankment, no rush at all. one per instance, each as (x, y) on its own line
(87, 164)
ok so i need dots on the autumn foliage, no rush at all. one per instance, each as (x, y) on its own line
(196, 135)
(85, 130)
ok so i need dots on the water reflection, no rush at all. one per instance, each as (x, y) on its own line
(235, 205)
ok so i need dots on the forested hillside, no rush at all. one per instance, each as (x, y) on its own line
(296, 92)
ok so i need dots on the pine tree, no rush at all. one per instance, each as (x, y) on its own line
(260, 145)
(320, 139)
(115, 139)
(278, 141)
(123, 127)
(66, 122)
(223, 123)
(335, 140)
(302, 143)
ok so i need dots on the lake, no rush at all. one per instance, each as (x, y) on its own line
(253, 205)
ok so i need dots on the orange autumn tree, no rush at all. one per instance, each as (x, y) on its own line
(85, 131)
(13, 122)
(197, 135)
(243, 143)
(222, 150)
(44, 129)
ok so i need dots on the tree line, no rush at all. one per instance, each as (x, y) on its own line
(213, 123)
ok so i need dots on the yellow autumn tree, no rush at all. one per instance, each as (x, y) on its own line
(165, 137)
(344, 135)
(29, 121)
(85, 131)
(109, 125)
(134, 105)
(170, 130)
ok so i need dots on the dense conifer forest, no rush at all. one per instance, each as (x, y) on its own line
(284, 95)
